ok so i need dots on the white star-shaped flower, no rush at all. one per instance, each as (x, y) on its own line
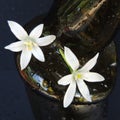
(78, 76)
(29, 44)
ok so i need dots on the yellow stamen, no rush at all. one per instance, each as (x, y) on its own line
(79, 76)
(29, 44)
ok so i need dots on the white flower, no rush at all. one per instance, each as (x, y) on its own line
(29, 44)
(78, 76)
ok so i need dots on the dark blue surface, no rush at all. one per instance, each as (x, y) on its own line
(14, 103)
(114, 98)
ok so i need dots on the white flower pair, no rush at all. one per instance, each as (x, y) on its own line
(29, 44)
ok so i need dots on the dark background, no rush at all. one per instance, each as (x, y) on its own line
(14, 103)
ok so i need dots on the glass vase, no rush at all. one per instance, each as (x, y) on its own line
(86, 27)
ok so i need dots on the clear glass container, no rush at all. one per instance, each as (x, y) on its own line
(86, 27)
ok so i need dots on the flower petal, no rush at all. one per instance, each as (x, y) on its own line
(37, 31)
(71, 59)
(90, 64)
(38, 54)
(15, 47)
(70, 93)
(93, 77)
(84, 90)
(65, 80)
(25, 58)
(44, 41)
(17, 30)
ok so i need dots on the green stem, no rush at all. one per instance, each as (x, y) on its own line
(63, 56)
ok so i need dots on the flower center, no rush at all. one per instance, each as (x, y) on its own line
(77, 75)
(29, 44)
